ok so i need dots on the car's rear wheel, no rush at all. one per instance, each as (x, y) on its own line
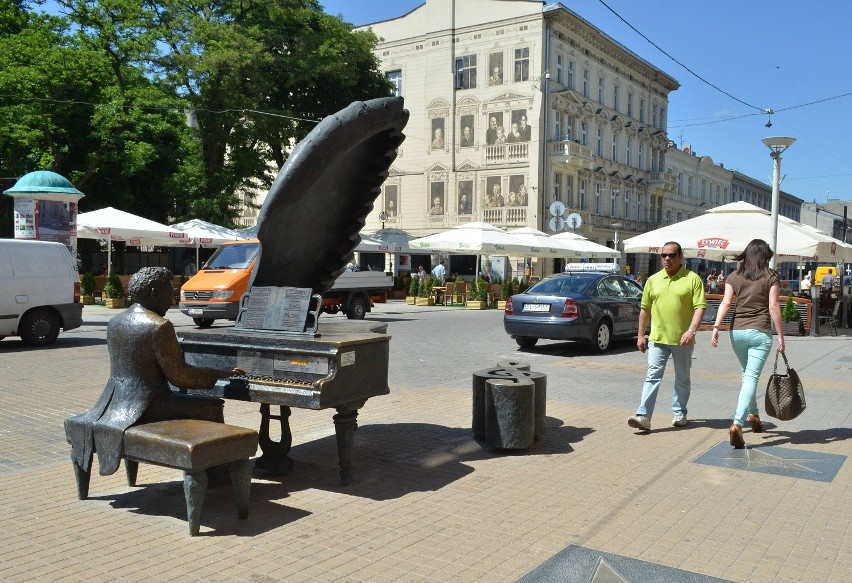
(526, 341)
(357, 309)
(39, 328)
(203, 322)
(603, 336)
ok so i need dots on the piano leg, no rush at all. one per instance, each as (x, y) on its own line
(345, 423)
(275, 457)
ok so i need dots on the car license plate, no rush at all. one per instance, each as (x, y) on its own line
(536, 307)
(195, 311)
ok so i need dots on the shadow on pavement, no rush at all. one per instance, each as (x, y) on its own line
(392, 460)
(804, 436)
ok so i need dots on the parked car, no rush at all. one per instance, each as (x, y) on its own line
(591, 307)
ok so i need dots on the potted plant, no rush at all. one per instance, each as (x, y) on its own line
(477, 296)
(412, 291)
(399, 288)
(424, 295)
(113, 292)
(88, 288)
(507, 291)
(790, 315)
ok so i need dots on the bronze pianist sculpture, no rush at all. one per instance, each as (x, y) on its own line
(308, 227)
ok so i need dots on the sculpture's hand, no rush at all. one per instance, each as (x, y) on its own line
(234, 372)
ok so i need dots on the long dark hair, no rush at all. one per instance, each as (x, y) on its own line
(754, 260)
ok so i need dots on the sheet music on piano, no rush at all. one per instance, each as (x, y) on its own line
(281, 309)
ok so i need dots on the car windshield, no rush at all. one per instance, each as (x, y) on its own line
(238, 256)
(562, 285)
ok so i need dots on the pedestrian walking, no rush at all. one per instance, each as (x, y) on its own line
(673, 299)
(755, 288)
(440, 272)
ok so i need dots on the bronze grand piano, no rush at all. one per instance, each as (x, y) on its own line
(342, 367)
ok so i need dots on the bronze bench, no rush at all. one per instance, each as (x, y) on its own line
(193, 446)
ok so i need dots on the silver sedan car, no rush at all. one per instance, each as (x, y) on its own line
(586, 306)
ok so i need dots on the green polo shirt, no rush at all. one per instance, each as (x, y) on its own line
(672, 301)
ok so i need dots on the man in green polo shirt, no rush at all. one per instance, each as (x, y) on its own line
(673, 298)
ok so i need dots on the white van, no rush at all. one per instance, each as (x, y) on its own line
(39, 291)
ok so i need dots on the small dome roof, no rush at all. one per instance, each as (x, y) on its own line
(43, 181)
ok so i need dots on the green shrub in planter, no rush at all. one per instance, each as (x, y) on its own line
(113, 288)
(508, 290)
(426, 287)
(87, 284)
(789, 313)
(414, 287)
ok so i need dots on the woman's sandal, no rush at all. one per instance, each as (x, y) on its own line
(736, 434)
(756, 424)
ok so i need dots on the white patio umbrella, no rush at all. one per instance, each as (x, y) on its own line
(109, 224)
(723, 232)
(582, 248)
(205, 234)
(476, 238)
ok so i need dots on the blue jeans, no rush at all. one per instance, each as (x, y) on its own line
(658, 356)
(751, 347)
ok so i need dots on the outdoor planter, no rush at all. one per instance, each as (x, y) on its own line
(476, 304)
(396, 294)
(87, 300)
(115, 303)
(425, 301)
(501, 305)
(410, 300)
(794, 328)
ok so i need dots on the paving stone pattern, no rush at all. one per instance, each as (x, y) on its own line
(429, 503)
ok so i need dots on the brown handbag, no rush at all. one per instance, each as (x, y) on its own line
(785, 395)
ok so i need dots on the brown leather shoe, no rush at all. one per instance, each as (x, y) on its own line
(756, 424)
(736, 434)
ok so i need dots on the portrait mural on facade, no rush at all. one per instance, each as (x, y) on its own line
(495, 69)
(495, 128)
(467, 135)
(517, 195)
(438, 127)
(391, 202)
(436, 198)
(493, 197)
(465, 197)
(519, 130)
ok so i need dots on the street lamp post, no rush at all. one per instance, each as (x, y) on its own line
(778, 145)
(617, 226)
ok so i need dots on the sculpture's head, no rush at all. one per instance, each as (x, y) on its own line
(151, 288)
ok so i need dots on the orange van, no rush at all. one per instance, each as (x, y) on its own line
(214, 292)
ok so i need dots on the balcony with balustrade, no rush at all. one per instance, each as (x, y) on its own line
(506, 153)
(571, 154)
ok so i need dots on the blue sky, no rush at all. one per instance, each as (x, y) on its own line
(779, 54)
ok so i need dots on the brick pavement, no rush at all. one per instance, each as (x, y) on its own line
(429, 503)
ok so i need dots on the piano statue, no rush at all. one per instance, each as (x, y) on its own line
(308, 228)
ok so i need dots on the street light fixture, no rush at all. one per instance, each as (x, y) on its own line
(617, 226)
(778, 145)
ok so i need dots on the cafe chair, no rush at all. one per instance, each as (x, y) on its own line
(830, 318)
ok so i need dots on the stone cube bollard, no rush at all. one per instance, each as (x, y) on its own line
(513, 372)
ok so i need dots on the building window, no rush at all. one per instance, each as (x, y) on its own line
(584, 133)
(600, 143)
(639, 208)
(395, 77)
(559, 68)
(629, 105)
(680, 183)
(391, 200)
(627, 205)
(570, 80)
(557, 123)
(569, 191)
(581, 204)
(522, 64)
(585, 82)
(615, 104)
(436, 199)
(614, 147)
(628, 159)
(466, 72)
(642, 110)
(703, 189)
(718, 194)
(641, 156)
(601, 89)
(557, 186)
(668, 216)
(495, 69)
(613, 203)
(655, 110)
(598, 190)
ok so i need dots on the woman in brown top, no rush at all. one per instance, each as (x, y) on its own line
(756, 289)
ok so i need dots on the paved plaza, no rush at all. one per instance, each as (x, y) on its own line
(593, 501)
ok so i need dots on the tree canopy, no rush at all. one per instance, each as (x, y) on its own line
(172, 109)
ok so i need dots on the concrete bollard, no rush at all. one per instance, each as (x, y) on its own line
(513, 371)
(509, 413)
